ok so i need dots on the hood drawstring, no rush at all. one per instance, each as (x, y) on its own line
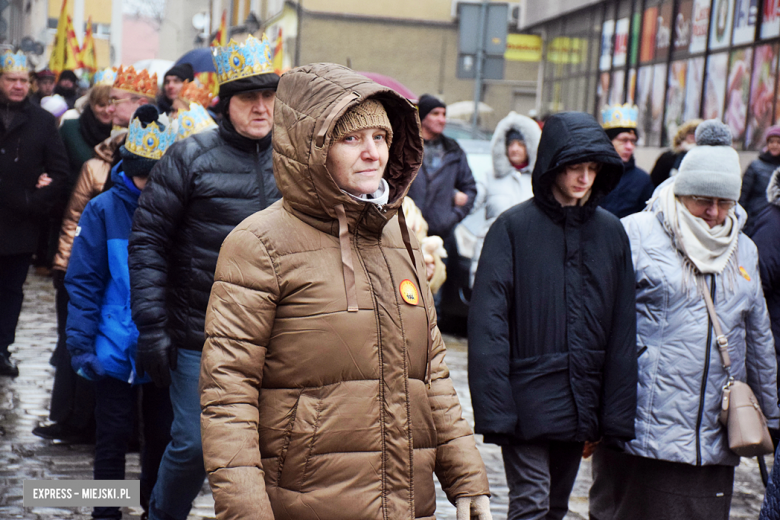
(346, 259)
(408, 244)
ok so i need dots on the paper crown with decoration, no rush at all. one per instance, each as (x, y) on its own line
(10, 62)
(193, 121)
(619, 116)
(149, 142)
(242, 60)
(193, 92)
(137, 82)
(105, 77)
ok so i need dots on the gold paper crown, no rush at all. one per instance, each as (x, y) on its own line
(149, 142)
(619, 116)
(140, 83)
(236, 61)
(10, 62)
(193, 121)
(193, 92)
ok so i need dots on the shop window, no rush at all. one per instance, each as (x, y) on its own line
(693, 84)
(762, 95)
(681, 29)
(721, 21)
(700, 22)
(770, 23)
(644, 90)
(738, 92)
(715, 86)
(745, 17)
(616, 88)
(675, 98)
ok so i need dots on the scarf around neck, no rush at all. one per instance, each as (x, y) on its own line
(380, 197)
(705, 250)
(93, 131)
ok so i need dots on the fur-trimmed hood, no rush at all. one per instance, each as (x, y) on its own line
(531, 134)
(773, 188)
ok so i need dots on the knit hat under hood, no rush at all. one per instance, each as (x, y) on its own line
(712, 168)
(368, 114)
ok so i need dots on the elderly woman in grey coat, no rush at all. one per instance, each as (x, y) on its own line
(688, 241)
(513, 150)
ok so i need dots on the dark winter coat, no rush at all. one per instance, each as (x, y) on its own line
(29, 147)
(433, 192)
(754, 185)
(552, 325)
(766, 235)
(76, 146)
(632, 192)
(198, 192)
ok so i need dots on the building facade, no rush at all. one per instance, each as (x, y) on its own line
(676, 59)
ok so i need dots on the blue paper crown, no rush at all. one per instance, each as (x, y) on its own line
(619, 116)
(193, 121)
(105, 76)
(10, 62)
(237, 61)
(149, 142)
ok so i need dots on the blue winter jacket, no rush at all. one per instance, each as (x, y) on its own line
(98, 282)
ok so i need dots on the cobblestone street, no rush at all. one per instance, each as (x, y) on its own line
(24, 402)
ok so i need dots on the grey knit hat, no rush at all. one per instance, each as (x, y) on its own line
(712, 168)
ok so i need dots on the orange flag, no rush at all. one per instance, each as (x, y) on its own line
(221, 38)
(64, 53)
(87, 56)
(278, 53)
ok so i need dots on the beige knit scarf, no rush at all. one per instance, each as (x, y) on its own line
(705, 250)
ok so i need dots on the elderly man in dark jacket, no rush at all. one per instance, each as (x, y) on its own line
(552, 328)
(444, 189)
(203, 187)
(33, 171)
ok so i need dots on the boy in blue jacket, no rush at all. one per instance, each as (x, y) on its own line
(101, 335)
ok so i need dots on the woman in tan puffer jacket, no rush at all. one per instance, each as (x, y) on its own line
(323, 385)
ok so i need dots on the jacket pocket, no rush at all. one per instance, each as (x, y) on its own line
(287, 436)
(303, 430)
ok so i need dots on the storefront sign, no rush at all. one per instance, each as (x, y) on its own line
(523, 47)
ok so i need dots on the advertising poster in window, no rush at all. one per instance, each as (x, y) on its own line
(715, 86)
(770, 24)
(621, 43)
(663, 37)
(649, 25)
(603, 90)
(693, 85)
(762, 93)
(657, 104)
(738, 92)
(636, 25)
(607, 32)
(720, 28)
(675, 98)
(682, 27)
(644, 91)
(745, 17)
(699, 24)
(616, 89)
(631, 87)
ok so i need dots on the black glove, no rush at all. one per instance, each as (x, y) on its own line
(613, 443)
(156, 355)
(501, 439)
(58, 279)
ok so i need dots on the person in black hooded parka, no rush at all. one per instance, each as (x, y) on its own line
(552, 327)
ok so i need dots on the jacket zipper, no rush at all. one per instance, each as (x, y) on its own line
(704, 377)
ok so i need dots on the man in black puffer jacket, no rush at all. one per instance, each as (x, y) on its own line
(201, 189)
(552, 323)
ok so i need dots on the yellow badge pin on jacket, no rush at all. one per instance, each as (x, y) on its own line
(310, 410)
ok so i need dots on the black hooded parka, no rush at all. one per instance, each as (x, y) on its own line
(552, 324)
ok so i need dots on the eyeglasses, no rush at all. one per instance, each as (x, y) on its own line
(706, 202)
(116, 101)
(626, 140)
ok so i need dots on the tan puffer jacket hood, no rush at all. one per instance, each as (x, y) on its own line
(324, 393)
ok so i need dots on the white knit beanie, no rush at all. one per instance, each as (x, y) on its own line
(712, 168)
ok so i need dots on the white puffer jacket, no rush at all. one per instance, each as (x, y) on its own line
(506, 186)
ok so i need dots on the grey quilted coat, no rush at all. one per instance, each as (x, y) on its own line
(680, 372)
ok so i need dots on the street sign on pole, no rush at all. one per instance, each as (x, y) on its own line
(481, 45)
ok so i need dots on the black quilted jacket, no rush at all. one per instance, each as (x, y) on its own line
(201, 189)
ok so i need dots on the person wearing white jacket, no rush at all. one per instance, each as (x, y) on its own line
(513, 149)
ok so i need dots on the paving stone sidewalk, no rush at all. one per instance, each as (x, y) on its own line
(24, 402)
